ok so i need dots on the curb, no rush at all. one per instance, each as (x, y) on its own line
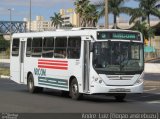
(4, 77)
(148, 61)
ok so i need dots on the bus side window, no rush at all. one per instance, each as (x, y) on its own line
(29, 47)
(36, 47)
(74, 47)
(15, 47)
(60, 47)
(48, 47)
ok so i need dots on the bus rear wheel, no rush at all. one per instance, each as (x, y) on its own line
(31, 87)
(74, 90)
(120, 97)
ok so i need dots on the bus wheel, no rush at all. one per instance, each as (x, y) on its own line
(74, 90)
(31, 87)
(120, 97)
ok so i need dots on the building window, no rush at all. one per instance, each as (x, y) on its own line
(60, 47)
(48, 46)
(29, 47)
(15, 47)
(37, 47)
(74, 47)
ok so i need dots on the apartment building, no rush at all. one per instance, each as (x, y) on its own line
(69, 17)
(39, 24)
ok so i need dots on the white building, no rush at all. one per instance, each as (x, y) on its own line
(40, 24)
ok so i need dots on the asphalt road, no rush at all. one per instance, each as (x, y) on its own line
(15, 98)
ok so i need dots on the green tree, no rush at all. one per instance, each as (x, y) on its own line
(91, 15)
(4, 44)
(145, 10)
(88, 14)
(57, 20)
(79, 8)
(147, 31)
(115, 7)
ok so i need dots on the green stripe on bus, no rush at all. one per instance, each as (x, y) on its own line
(53, 85)
(58, 81)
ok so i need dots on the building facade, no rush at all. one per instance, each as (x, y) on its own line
(69, 17)
(39, 24)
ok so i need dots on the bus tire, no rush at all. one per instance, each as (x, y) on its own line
(74, 90)
(120, 97)
(31, 87)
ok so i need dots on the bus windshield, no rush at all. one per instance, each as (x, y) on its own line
(116, 58)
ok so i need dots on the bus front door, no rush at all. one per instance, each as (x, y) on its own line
(22, 50)
(86, 66)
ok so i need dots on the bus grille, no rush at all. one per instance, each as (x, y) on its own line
(119, 90)
(120, 77)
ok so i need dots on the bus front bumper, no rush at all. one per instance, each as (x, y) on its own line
(98, 89)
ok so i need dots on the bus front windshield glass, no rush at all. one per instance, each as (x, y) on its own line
(118, 58)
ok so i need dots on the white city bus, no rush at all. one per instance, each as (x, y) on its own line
(77, 62)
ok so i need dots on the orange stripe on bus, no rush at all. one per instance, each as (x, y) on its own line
(53, 67)
(48, 63)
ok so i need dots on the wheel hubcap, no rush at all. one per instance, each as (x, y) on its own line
(74, 89)
(30, 84)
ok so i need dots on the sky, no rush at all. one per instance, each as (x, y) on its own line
(44, 8)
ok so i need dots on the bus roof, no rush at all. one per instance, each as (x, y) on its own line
(58, 33)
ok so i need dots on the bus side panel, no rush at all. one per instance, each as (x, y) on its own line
(47, 77)
(15, 67)
(30, 64)
(75, 69)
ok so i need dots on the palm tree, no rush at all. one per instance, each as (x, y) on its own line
(88, 15)
(57, 20)
(146, 8)
(115, 7)
(147, 32)
(80, 5)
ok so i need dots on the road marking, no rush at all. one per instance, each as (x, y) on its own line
(154, 102)
(147, 96)
(156, 93)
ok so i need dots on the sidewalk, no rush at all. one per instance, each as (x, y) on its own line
(152, 68)
(4, 60)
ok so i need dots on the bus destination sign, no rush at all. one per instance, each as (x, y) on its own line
(104, 35)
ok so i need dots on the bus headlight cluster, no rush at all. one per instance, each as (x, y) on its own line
(98, 80)
(140, 80)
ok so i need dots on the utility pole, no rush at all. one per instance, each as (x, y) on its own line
(10, 16)
(30, 16)
(106, 15)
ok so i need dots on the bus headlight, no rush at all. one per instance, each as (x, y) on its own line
(140, 79)
(98, 80)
